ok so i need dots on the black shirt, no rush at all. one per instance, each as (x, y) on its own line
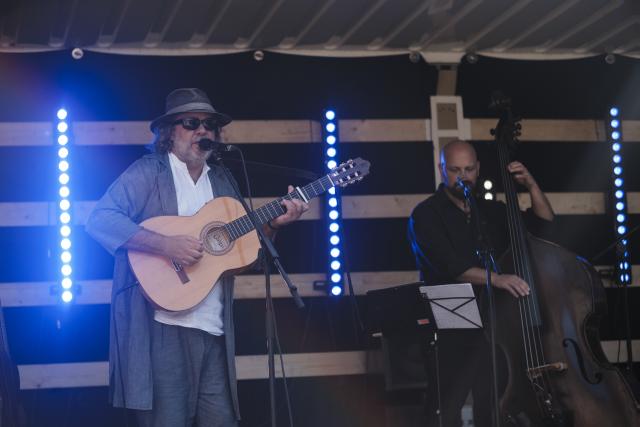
(442, 238)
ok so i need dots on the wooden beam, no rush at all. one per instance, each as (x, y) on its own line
(26, 294)
(308, 131)
(252, 367)
(30, 294)
(385, 130)
(31, 214)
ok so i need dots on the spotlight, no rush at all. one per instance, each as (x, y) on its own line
(258, 55)
(77, 53)
(610, 58)
(414, 57)
(471, 58)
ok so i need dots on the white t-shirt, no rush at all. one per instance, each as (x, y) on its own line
(207, 315)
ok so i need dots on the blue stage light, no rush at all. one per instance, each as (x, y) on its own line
(613, 111)
(620, 217)
(615, 135)
(619, 194)
(65, 243)
(622, 229)
(618, 182)
(67, 296)
(617, 170)
(64, 204)
(65, 231)
(65, 257)
(333, 210)
(616, 158)
(65, 218)
(615, 123)
(615, 146)
(620, 206)
(66, 270)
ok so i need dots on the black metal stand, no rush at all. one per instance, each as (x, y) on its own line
(625, 296)
(485, 254)
(267, 253)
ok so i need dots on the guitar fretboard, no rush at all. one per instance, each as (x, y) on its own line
(241, 226)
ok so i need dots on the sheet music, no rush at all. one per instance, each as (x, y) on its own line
(453, 306)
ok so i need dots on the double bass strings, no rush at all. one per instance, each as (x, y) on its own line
(527, 305)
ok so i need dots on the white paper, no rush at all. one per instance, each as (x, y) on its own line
(447, 303)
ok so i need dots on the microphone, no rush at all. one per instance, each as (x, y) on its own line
(207, 144)
(465, 188)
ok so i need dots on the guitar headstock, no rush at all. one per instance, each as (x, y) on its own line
(353, 170)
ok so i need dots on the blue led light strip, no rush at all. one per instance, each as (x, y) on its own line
(333, 211)
(63, 140)
(614, 137)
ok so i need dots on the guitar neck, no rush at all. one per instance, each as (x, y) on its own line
(243, 225)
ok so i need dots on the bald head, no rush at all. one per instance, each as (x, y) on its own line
(458, 159)
(457, 148)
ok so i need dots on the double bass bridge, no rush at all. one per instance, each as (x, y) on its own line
(538, 371)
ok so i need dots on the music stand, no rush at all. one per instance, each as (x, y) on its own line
(452, 306)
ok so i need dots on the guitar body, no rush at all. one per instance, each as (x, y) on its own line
(172, 290)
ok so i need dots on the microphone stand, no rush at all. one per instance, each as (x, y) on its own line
(625, 295)
(485, 255)
(266, 253)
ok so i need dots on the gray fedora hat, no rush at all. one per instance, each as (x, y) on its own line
(188, 100)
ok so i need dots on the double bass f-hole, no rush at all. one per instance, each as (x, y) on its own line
(583, 369)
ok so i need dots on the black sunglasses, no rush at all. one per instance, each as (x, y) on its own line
(193, 123)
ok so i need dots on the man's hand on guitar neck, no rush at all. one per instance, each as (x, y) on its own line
(294, 210)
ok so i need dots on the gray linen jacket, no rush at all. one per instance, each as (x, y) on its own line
(143, 191)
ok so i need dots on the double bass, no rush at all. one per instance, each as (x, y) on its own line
(557, 372)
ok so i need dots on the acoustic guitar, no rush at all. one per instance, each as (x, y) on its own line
(230, 241)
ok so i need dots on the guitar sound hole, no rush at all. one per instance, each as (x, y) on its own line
(216, 239)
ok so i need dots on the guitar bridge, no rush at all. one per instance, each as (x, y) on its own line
(181, 273)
